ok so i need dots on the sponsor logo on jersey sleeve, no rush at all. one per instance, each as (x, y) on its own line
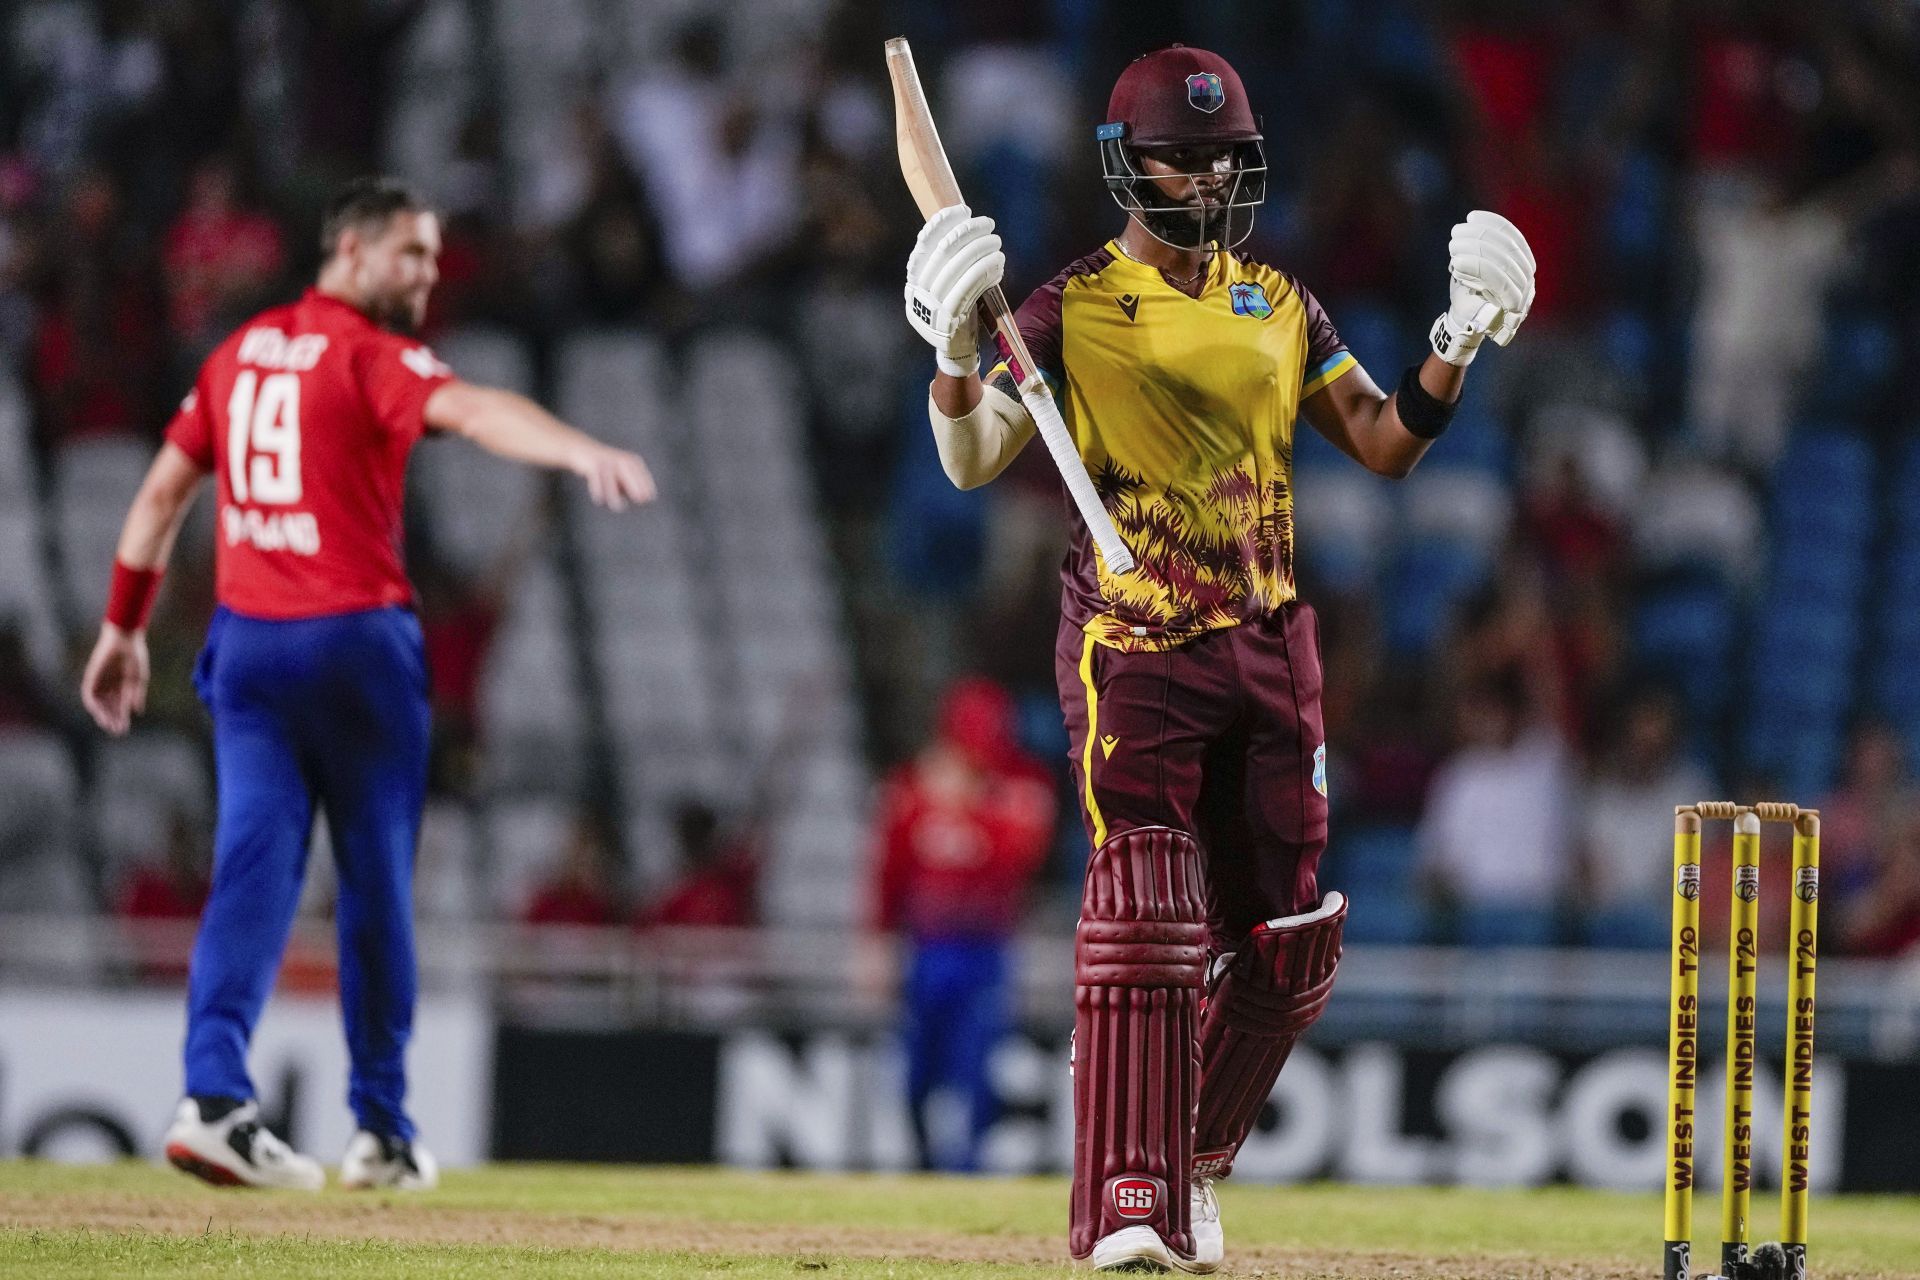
(425, 363)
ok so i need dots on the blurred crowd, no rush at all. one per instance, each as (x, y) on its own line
(1533, 651)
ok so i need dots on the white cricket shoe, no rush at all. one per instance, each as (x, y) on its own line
(387, 1163)
(1132, 1249)
(1203, 1221)
(1140, 1249)
(237, 1151)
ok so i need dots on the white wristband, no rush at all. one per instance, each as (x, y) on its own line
(957, 368)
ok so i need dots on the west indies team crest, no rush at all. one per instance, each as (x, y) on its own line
(1205, 91)
(1250, 299)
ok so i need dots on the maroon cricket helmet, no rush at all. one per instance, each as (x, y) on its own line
(1183, 96)
(1180, 94)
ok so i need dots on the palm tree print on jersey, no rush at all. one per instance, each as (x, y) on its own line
(1207, 556)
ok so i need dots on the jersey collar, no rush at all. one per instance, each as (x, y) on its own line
(313, 296)
(1216, 270)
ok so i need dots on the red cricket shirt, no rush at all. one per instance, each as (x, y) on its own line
(306, 416)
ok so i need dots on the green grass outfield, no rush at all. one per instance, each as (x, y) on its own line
(544, 1220)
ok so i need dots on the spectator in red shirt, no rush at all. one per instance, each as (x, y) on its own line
(1864, 815)
(1884, 919)
(718, 885)
(580, 890)
(220, 257)
(1576, 535)
(461, 611)
(95, 349)
(961, 830)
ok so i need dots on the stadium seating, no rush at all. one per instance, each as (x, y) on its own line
(140, 782)
(1807, 633)
(447, 865)
(1375, 867)
(477, 504)
(1895, 680)
(531, 711)
(26, 598)
(1682, 628)
(789, 684)
(16, 462)
(94, 480)
(40, 864)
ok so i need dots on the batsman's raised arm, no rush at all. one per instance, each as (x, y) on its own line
(1490, 286)
(978, 429)
(512, 426)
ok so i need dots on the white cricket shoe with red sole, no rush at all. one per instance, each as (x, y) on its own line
(237, 1151)
(376, 1163)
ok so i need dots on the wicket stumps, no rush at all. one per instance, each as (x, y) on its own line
(1789, 1258)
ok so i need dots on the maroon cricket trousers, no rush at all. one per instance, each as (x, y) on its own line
(1201, 774)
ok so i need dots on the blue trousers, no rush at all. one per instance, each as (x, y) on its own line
(328, 711)
(956, 1013)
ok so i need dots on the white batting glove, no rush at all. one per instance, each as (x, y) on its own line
(1490, 290)
(956, 258)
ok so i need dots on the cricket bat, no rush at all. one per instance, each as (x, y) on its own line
(923, 162)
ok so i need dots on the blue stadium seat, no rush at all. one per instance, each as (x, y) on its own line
(1038, 724)
(1389, 919)
(1899, 579)
(1798, 749)
(1376, 856)
(1475, 441)
(1375, 336)
(1896, 687)
(1685, 633)
(1630, 346)
(1789, 634)
(1626, 929)
(1375, 867)
(1810, 765)
(1857, 362)
(1839, 520)
(1482, 925)
(1425, 582)
(1811, 574)
(1904, 499)
(1312, 451)
(1823, 464)
(1633, 224)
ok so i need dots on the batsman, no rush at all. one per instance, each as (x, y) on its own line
(1191, 684)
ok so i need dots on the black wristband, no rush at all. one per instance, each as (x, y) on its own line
(1420, 412)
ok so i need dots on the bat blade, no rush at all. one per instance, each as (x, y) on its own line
(923, 163)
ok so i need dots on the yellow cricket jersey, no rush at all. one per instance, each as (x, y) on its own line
(1183, 410)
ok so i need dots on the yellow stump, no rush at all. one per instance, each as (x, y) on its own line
(1743, 984)
(1683, 1043)
(1796, 1145)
